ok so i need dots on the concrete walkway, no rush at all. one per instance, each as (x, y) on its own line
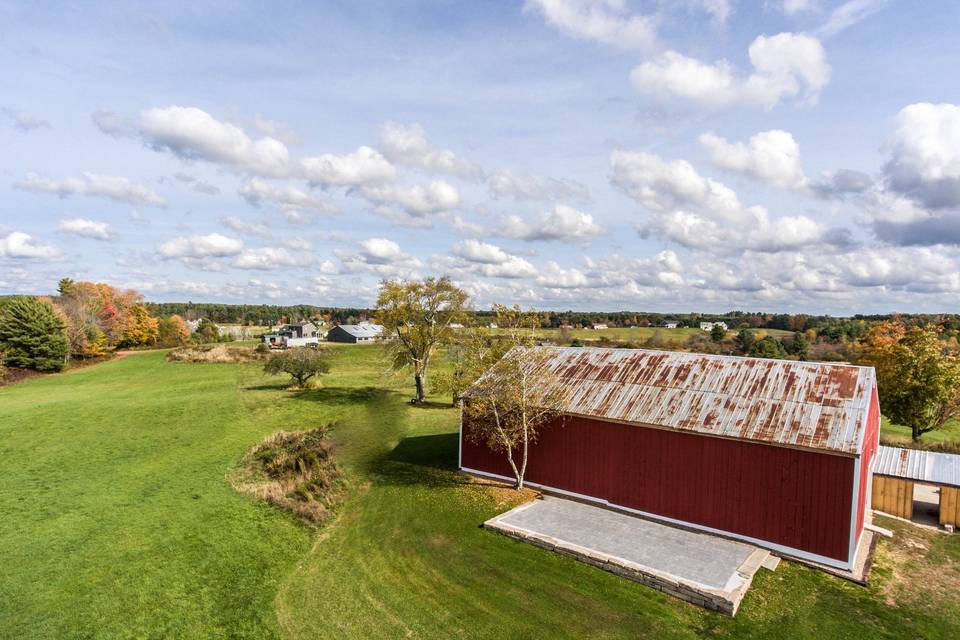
(704, 569)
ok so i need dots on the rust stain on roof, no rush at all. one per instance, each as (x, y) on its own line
(804, 404)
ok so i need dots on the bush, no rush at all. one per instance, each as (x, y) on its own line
(33, 335)
(294, 471)
(215, 354)
(768, 347)
(262, 348)
(302, 363)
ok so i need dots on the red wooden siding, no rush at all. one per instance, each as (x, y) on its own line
(790, 497)
(871, 437)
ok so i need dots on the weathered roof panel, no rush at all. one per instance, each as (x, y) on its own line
(801, 404)
(923, 466)
(362, 330)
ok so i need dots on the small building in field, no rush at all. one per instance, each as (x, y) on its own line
(299, 334)
(671, 324)
(708, 326)
(777, 453)
(355, 333)
(898, 470)
(598, 326)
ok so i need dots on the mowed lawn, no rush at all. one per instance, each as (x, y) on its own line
(119, 521)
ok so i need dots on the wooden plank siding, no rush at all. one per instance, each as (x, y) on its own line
(950, 506)
(893, 496)
(790, 497)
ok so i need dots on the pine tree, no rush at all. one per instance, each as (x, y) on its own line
(33, 335)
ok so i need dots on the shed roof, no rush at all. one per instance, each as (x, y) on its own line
(923, 466)
(362, 330)
(811, 405)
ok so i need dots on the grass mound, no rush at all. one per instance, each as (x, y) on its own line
(294, 470)
(219, 353)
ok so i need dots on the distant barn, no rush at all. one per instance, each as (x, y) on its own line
(355, 333)
(774, 452)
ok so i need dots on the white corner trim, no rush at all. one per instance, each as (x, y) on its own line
(787, 551)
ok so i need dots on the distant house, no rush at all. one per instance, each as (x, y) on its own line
(492, 325)
(300, 334)
(599, 325)
(708, 326)
(456, 325)
(671, 324)
(193, 324)
(355, 333)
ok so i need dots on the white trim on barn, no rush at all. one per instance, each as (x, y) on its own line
(787, 551)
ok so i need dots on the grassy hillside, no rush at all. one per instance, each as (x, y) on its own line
(118, 521)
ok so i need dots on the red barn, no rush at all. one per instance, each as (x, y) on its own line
(774, 452)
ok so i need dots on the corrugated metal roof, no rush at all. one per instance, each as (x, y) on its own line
(801, 404)
(923, 466)
(362, 330)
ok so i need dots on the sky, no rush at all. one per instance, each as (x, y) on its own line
(686, 155)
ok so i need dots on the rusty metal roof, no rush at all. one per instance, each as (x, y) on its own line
(923, 466)
(820, 406)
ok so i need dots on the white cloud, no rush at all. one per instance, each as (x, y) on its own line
(786, 65)
(701, 213)
(381, 256)
(720, 10)
(771, 156)
(365, 166)
(274, 129)
(793, 7)
(243, 227)
(924, 154)
(198, 185)
(562, 223)
(534, 187)
(381, 251)
(848, 14)
(85, 228)
(416, 201)
(555, 277)
(21, 245)
(115, 188)
(482, 252)
(212, 245)
(193, 134)
(24, 120)
(257, 191)
(267, 258)
(408, 145)
(604, 21)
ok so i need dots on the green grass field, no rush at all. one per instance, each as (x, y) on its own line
(118, 521)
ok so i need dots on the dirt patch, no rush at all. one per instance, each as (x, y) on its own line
(294, 471)
(219, 353)
(914, 569)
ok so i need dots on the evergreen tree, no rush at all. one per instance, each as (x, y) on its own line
(33, 335)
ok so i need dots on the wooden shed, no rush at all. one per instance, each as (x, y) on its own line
(897, 470)
(777, 453)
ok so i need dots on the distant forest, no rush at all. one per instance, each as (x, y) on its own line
(827, 327)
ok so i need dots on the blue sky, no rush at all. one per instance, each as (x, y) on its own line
(783, 155)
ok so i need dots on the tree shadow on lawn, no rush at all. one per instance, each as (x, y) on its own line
(346, 396)
(424, 460)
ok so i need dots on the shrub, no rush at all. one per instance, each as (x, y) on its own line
(768, 347)
(302, 363)
(214, 353)
(294, 471)
(262, 348)
(33, 335)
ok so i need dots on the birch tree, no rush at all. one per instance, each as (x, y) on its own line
(512, 403)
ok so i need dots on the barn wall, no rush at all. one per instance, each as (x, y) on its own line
(794, 498)
(871, 440)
